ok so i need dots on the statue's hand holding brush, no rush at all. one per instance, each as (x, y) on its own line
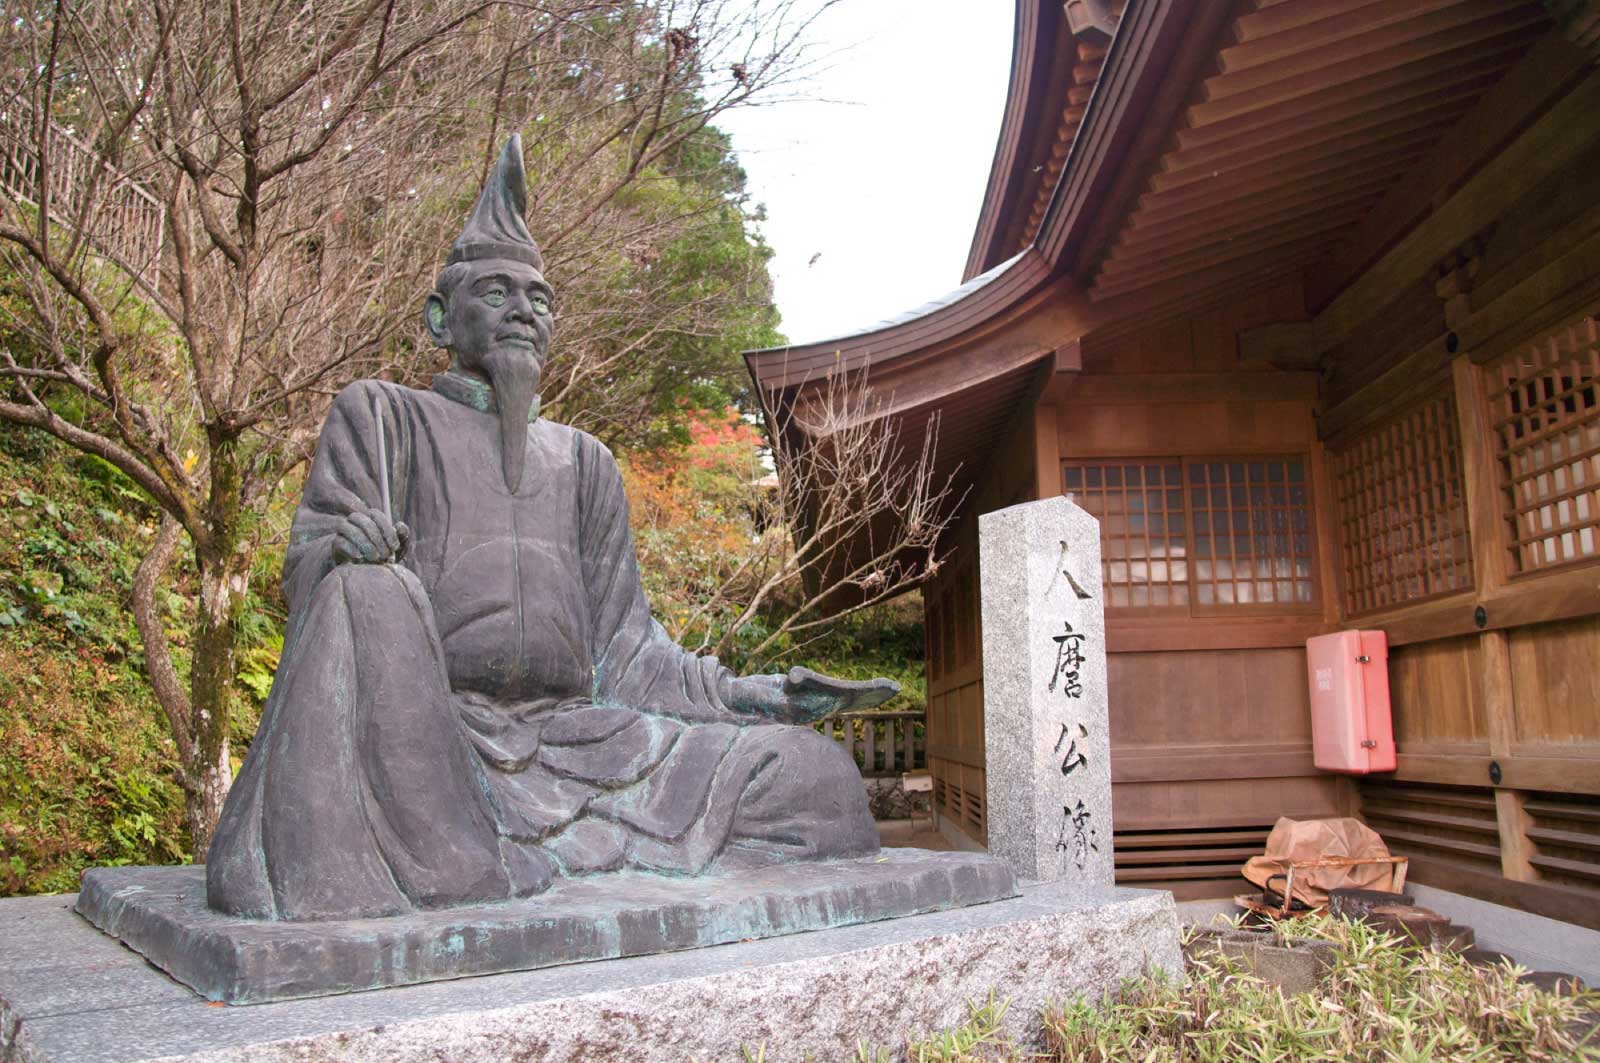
(370, 537)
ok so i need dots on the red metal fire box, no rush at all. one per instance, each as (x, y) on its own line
(1351, 729)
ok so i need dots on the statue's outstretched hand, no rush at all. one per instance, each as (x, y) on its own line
(804, 696)
(370, 537)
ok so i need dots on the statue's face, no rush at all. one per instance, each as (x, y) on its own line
(501, 306)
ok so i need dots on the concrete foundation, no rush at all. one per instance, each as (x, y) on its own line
(69, 992)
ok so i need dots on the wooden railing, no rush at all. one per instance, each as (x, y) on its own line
(125, 223)
(881, 743)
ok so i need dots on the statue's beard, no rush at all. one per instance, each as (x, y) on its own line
(514, 374)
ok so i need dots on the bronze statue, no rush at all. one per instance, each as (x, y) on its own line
(473, 698)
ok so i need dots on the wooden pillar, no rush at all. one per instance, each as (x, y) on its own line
(1325, 500)
(1478, 474)
(1500, 713)
(1046, 452)
(1494, 647)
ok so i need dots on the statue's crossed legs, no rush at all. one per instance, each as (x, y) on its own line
(380, 790)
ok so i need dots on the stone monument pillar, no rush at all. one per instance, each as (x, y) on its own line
(1046, 734)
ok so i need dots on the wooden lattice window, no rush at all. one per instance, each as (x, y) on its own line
(1546, 421)
(1183, 535)
(1402, 509)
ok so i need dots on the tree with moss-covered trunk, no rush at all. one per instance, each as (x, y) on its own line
(307, 163)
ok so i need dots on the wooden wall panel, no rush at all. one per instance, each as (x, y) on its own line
(1498, 789)
(1213, 804)
(1208, 698)
(955, 651)
(1556, 684)
(1206, 341)
(1208, 749)
(1195, 428)
(1210, 745)
(1436, 696)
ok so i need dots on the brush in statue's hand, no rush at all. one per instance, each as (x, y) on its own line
(372, 536)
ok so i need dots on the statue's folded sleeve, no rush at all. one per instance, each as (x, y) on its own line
(636, 662)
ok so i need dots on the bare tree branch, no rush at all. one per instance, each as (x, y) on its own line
(147, 617)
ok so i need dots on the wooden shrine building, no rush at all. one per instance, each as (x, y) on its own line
(1299, 298)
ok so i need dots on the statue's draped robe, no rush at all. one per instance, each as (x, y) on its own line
(499, 708)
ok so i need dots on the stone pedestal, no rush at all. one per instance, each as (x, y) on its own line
(1046, 736)
(70, 993)
(161, 913)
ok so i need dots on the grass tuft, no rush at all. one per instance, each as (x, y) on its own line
(1379, 1001)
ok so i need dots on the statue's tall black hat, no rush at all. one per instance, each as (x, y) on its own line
(496, 228)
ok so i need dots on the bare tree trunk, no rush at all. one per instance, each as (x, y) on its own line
(224, 581)
(224, 563)
(198, 717)
(204, 800)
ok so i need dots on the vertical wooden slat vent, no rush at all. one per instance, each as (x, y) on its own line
(1402, 509)
(1565, 832)
(1546, 418)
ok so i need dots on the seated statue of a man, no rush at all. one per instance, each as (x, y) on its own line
(473, 699)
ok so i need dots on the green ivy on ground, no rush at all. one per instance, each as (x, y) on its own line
(85, 760)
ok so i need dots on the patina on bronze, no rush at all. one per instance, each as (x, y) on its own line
(473, 700)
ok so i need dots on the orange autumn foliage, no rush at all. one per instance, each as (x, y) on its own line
(693, 508)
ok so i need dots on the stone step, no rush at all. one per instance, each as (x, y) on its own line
(1351, 903)
(1424, 926)
(1295, 966)
(1479, 956)
(1559, 982)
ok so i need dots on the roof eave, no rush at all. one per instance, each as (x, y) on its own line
(1030, 66)
(1112, 141)
(782, 367)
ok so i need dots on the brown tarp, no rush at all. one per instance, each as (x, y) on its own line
(1316, 839)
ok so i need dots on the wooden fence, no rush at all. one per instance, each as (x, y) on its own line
(881, 743)
(125, 222)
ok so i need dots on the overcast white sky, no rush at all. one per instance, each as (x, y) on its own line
(880, 174)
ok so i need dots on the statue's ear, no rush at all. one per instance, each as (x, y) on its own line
(433, 316)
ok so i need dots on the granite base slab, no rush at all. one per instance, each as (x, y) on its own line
(70, 993)
(161, 913)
